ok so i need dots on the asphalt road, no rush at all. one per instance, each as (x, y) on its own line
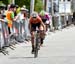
(59, 48)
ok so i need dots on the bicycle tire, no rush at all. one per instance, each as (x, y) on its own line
(36, 46)
(36, 49)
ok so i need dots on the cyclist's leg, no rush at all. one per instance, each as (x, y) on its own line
(32, 41)
(33, 28)
(44, 21)
(42, 35)
(32, 33)
(46, 26)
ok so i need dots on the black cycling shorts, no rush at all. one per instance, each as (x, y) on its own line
(33, 26)
(44, 20)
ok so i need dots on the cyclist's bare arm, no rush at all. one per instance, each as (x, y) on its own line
(43, 25)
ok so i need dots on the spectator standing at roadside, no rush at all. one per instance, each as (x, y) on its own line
(74, 18)
(10, 17)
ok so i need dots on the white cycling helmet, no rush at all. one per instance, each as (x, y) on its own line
(34, 14)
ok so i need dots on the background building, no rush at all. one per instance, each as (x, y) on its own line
(48, 5)
(73, 5)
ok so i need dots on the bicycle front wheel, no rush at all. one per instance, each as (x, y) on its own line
(36, 46)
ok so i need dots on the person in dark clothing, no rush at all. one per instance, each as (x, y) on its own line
(74, 18)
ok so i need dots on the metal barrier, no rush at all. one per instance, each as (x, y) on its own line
(8, 40)
(1, 36)
(69, 19)
(23, 33)
(19, 26)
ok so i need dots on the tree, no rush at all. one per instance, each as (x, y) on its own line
(4, 1)
(23, 2)
(18, 2)
(38, 5)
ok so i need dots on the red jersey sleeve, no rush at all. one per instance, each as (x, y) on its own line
(39, 19)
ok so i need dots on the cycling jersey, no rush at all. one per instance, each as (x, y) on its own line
(35, 23)
(37, 20)
(45, 17)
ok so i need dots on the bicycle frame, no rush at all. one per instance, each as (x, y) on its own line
(36, 42)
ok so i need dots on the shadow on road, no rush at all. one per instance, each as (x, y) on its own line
(25, 57)
(20, 57)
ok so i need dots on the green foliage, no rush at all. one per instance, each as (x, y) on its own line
(9, 1)
(4, 1)
(38, 5)
(1, 3)
(23, 2)
(18, 2)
